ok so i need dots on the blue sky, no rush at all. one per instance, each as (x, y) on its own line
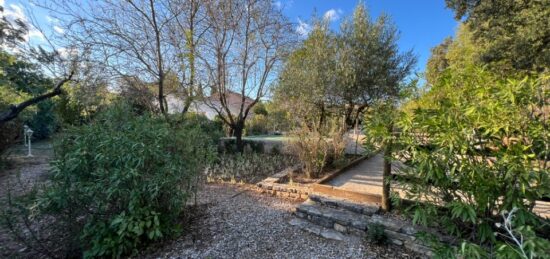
(423, 24)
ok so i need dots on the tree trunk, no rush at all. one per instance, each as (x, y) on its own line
(386, 178)
(348, 114)
(322, 116)
(238, 133)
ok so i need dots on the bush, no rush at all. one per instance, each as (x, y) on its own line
(229, 145)
(257, 125)
(122, 182)
(311, 148)
(376, 234)
(474, 147)
(190, 120)
(44, 123)
(316, 150)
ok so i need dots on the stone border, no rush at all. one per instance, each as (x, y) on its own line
(322, 187)
(355, 220)
(272, 185)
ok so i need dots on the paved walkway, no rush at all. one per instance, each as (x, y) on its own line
(366, 177)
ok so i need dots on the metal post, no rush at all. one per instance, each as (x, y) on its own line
(28, 136)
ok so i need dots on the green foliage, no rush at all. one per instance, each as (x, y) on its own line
(307, 77)
(456, 54)
(376, 234)
(475, 147)
(45, 122)
(19, 81)
(521, 240)
(230, 145)
(190, 121)
(513, 34)
(344, 73)
(268, 117)
(257, 125)
(122, 181)
(260, 109)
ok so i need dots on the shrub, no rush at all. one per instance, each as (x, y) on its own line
(122, 181)
(316, 150)
(257, 125)
(44, 123)
(474, 147)
(311, 148)
(229, 145)
(376, 234)
(190, 120)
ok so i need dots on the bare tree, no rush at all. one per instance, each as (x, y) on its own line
(186, 32)
(129, 37)
(244, 45)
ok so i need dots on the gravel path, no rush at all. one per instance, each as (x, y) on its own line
(23, 174)
(240, 223)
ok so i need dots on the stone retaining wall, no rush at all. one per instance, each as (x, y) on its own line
(272, 185)
(339, 218)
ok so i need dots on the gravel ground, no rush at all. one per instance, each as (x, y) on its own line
(19, 178)
(241, 223)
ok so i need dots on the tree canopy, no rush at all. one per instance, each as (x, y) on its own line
(344, 73)
(515, 35)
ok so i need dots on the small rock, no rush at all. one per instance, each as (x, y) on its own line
(396, 242)
(332, 234)
(340, 228)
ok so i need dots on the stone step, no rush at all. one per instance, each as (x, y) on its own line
(334, 202)
(317, 230)
(338, 219)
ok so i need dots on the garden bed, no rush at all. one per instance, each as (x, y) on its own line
(290, 182)
(248, 168)
(296, 176)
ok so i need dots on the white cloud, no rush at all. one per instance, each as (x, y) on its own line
(51, 19)
(332, 14)
(58, 29)
(2, 2)
(303, 28)
(67, 52)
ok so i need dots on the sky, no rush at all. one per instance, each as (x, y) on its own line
(423, 24)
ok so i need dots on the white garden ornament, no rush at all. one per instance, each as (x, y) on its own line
(28, 134)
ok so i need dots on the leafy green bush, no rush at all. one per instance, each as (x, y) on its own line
(257, 125)
(229, 145)
(376, 234)
(122, 181)
(44, 123)
(190, 120)
(476, 146)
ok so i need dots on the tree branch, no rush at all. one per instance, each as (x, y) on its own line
(14, 109)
